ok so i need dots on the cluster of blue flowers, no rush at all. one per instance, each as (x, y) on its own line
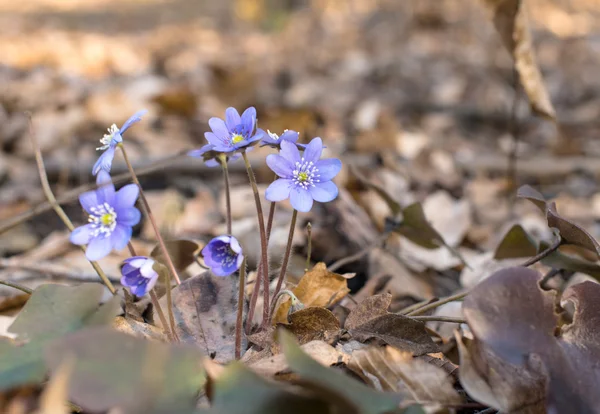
(303, 178)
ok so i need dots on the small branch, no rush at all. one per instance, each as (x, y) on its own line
(551, 273)
(16, 286)
(240, 312)
(286, 257)
(309, 246)
(437, 304)
(227, 194)
(545, 253)
(57, 208)
(438, 319)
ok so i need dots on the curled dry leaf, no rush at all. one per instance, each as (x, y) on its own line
(514, 325)
(511, 21)
(388, 369)
(314, 323)
(318, 287)
(370, 319)
(204, 307)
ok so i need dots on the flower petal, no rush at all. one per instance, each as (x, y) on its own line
(137, 117)
(313, 150)
(219, 129)
(198, 153)
(88, 200)
(280, 166)
(301, 199)
(98, 247)
(328, 168)
(235, 245)
(129, 216)
(120, 236)
(81, 235)
(249, 120)
(279, 190)
(290, 152)
(106, 193)
(289, 135)
(211, 163)
(126, 196)
(104, 162)
(256, 137)
(213, 139)
(323, 192)
(135, 261)
(147, 270)
(232, 118)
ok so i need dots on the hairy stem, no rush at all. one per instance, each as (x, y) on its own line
(263, 239)
(227, 194)
(161, 242)
(240, 312)
(439, 319)
(430, 306)
(286, 256)
(309, 246)
(16, 286)
(57, 208)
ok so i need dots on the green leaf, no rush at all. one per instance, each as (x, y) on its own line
(329, 381)
(20, 365)
(238, 390)
(516, 243)
(115, 369)
(182, 253)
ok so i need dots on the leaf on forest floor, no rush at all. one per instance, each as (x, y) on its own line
(318, 287)
(181, 252)
(113, 369)
(512, 23)
(516, 243)
(139, 329)
(314, 323)
(370, 319)
(204, 308)
(387, 369)
(516, 350)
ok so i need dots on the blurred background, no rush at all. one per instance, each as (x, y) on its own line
(416, 94)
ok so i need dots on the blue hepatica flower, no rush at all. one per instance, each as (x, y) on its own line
(111, 140)
(234, 134)
(111, 217)
(138, 275)
(223, 255)
(303, 178)
(274, 140)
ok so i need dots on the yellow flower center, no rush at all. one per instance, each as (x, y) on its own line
(107, 219)
(302, 176)
(237, 138)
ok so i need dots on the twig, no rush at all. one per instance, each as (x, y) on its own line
(545, 253)
(513, 127)
(240, 311)
(437, 304)
(57, 208)
(223, 161)
(286, 258)
(16, 286)
(309, 245)
(438, 319)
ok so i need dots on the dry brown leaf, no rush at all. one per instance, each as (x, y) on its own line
(318, 287)
(314, 323)
(139, 329)
(388, 369)
(511, 21)
(54, 399)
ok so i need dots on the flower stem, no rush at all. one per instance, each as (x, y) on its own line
(16, 286)
(438, 319)
(227, 194)
(57, 208)
(545, 253)
(286, 255)
(429, 306)
(263, 239)
(309, 247)
(240, 312)
(161, 242)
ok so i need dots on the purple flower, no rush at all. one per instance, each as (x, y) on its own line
(223, 255)
(109, 142)
(111, 218)
(274, 140)
(303, 178)
(138, 275)
(233, 134)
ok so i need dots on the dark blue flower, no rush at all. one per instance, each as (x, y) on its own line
(223, 255)
(274, 140)
(138, 275)
(303, 178)
(234, 134)
(111, 217)
(111, 140)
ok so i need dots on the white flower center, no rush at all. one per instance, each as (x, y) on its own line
(104, 220)
(305, 174)
(107, 138)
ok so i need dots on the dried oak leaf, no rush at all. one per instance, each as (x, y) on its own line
(514, 325)
(314, 323)
(370, 319)
(204, 308)
(388, 369)
(318, 287)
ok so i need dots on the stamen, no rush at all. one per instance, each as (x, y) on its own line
(305, 174)
(107, 138)
(104, 220)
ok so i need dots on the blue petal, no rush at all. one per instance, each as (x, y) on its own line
(289, 152)
(120, 236)
(232, 118)
(301, 199)
(256, 137)
(279, 190)
(280, 165)
(126, 196)
(88, 200)
(103, 178)
(249, 120)
(324, 192)
(289, 135)
(219, 129)
(106, 194)
(313, 150)
(211, 163)
(104, 162)
(198, 153)
(97, 248)
(328, 168)
(128, 216)
(215, 140)
(132, 120)
(81, 235)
